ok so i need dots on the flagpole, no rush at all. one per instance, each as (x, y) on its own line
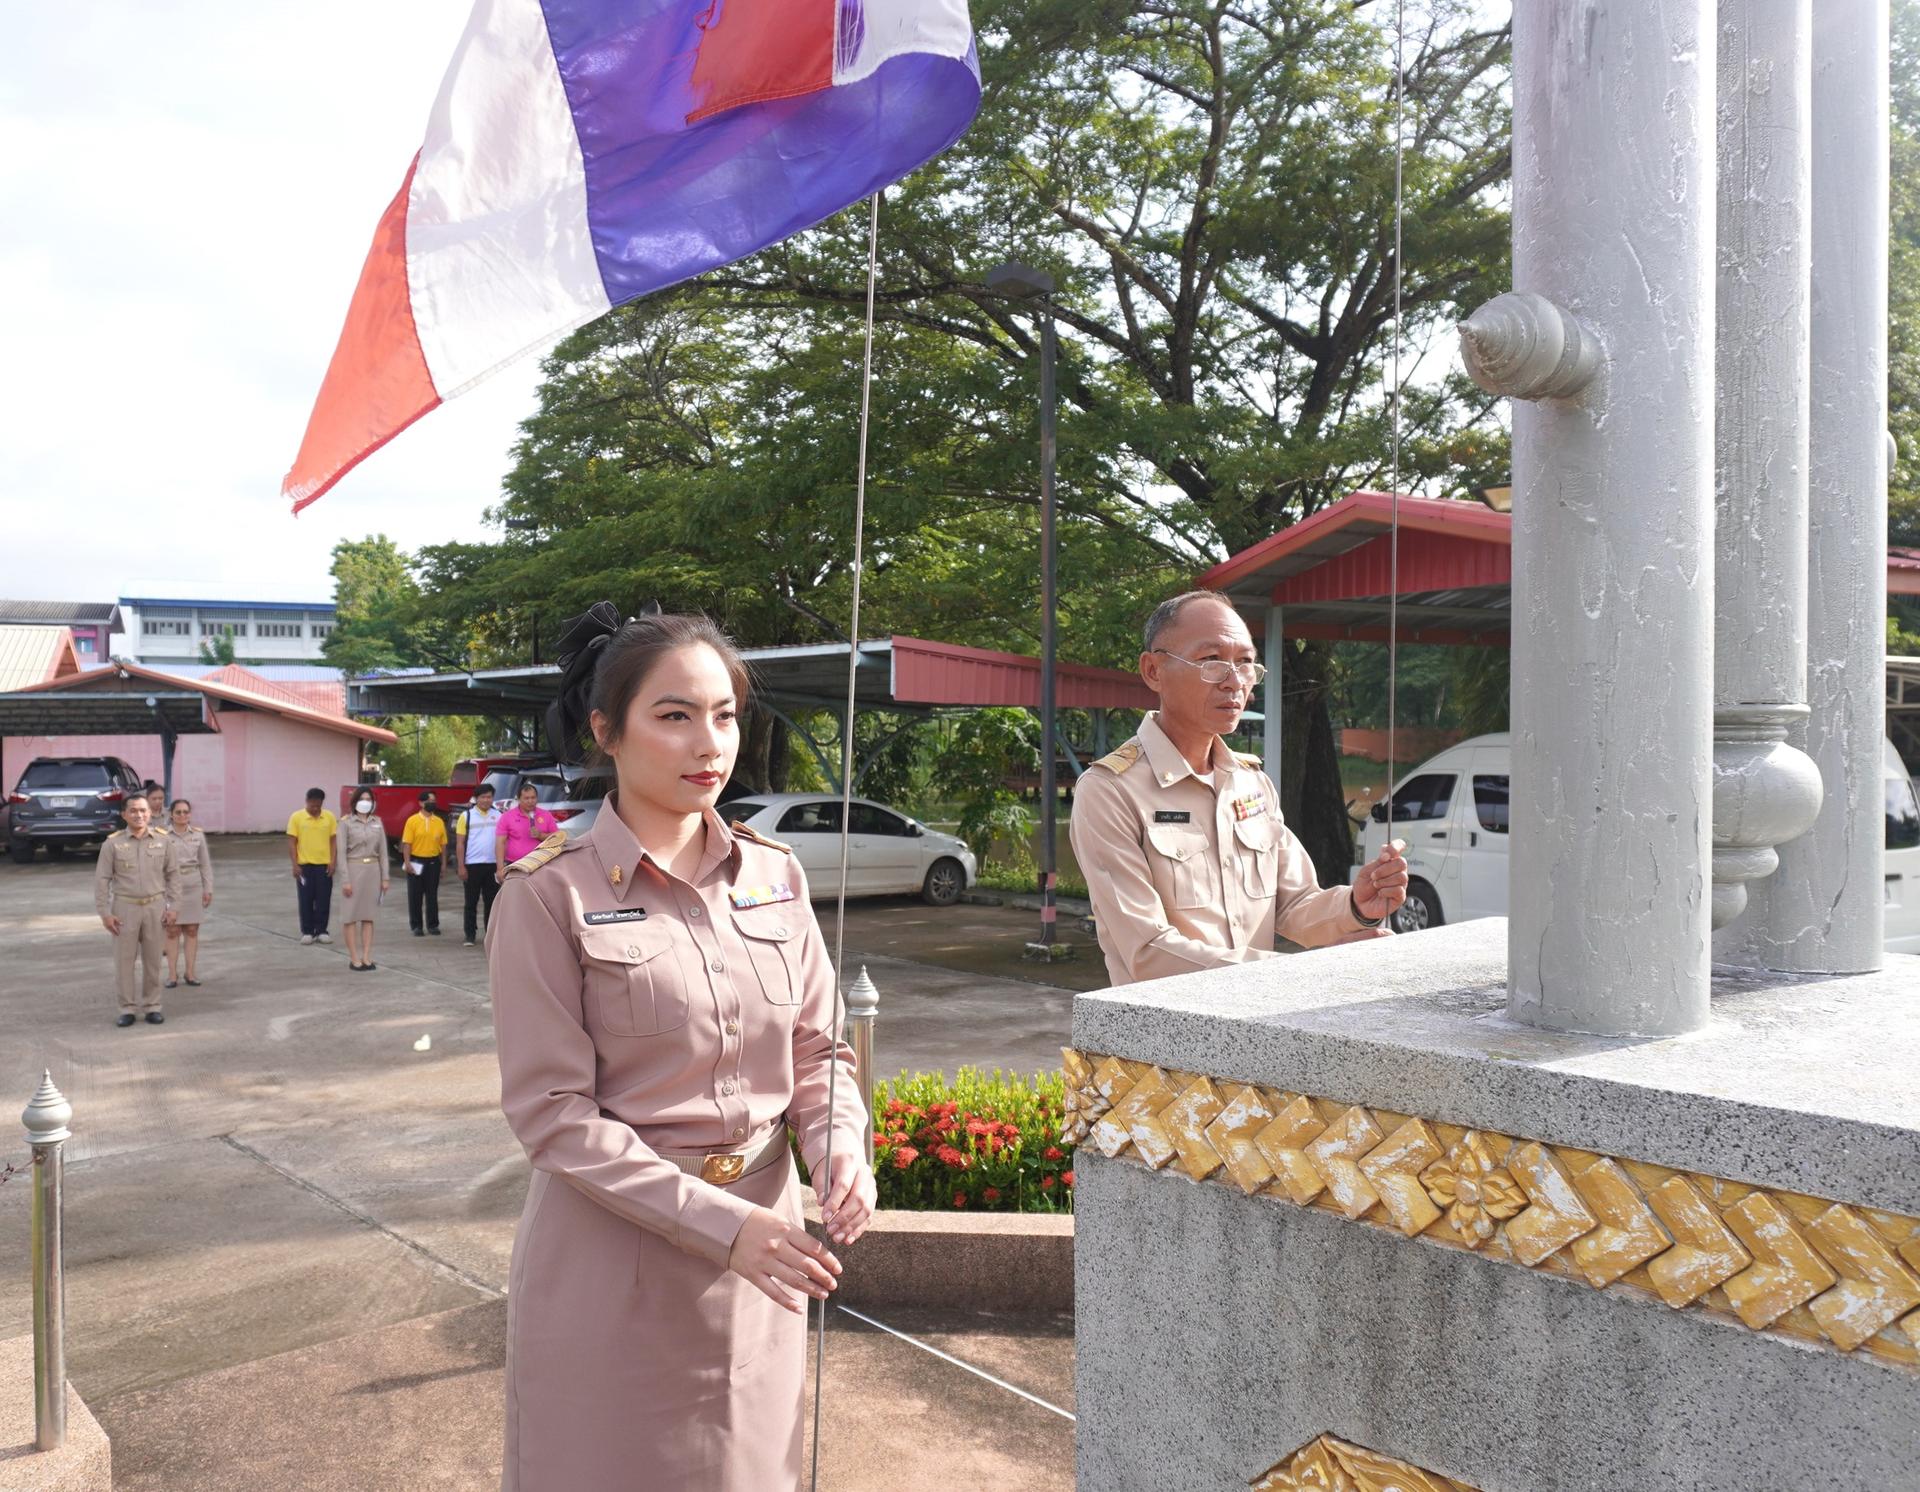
(846, 791)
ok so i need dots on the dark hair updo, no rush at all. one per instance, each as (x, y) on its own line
(604, 662)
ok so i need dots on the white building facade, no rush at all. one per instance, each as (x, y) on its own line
(160, 631)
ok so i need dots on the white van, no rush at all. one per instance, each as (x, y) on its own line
(1452, 813)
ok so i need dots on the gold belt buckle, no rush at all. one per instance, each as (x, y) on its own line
(722, 1170)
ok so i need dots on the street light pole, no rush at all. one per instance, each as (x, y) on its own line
(1023, 282)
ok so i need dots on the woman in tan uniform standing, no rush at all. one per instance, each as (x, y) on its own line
(363, 853)
(664, 1006)
(189, 846)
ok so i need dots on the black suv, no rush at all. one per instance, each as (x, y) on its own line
(67, 800)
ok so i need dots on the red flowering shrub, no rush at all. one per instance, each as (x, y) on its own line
(982, 1142)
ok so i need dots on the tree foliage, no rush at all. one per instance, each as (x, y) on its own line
(1903, 282)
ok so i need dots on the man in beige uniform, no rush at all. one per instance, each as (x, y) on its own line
(135, 882)
(1181, 841)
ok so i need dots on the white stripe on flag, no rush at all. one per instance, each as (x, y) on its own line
(893, 28)
(500, 260)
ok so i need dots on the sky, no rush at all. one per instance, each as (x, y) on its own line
(187, 191)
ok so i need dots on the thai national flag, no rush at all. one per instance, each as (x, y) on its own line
(585, 152)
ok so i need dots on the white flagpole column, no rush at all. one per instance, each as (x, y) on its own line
(1613, 511)
(1765, 791)
(1822, 912)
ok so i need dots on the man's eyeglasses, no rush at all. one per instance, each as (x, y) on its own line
(1219, 670)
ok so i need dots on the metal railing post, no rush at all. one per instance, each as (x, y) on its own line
(46, 1117)
(863, 1004)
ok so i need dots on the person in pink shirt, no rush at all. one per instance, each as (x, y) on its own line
(522, 827)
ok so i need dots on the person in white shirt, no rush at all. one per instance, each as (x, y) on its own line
(474, 833)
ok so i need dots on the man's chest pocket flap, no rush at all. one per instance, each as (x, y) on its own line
(1181, 859)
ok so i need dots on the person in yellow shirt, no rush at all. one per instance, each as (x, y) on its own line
(423, 849)
(312, 847)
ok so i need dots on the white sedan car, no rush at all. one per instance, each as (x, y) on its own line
(889, 852)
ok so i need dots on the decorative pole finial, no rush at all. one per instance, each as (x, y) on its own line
(47, 1113)
(1523, 346)
(863, 999)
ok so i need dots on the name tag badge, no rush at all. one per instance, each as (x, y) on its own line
(759, 896)
(600, 919)
(1171, 816)
(1249, 807)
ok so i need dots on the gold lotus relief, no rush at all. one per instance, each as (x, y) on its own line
(1325, 1464)
(1844, 1276)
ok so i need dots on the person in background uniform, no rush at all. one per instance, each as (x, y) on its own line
(313, 848)
(423, 846)
(474, 833)
(1186, 857)
(664, 1010)
(363, 846)
(522, 827)
(156, 807)
(194, 865)
(135, 881)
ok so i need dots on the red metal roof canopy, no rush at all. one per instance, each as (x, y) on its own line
(944, 673)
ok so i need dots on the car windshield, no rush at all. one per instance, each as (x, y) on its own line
(54, 776)
(1903, 815)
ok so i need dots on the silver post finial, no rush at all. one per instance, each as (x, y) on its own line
(863, 1000)
(47, 1113)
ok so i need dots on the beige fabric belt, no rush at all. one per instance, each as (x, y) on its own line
(724, 1169)
(138, 901)
(366, 859)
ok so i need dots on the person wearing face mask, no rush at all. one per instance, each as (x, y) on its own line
(195, 866)
(423, 848)
(363, 852)
(1188, 862)
(664, 1010)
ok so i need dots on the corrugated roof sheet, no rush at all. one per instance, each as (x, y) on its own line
(56, 613)
(32, 655)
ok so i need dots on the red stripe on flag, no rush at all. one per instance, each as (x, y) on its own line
(755, 50)
(377, 383)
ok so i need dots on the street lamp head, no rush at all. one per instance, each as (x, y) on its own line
(1022, 281)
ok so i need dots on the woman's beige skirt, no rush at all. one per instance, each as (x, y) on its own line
(364, 904)
(633, 1366)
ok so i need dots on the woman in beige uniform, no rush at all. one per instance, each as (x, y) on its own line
(363, 855)
(190, 857)
(664, 1006)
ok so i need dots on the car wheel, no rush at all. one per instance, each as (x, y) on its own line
(22, 851)
(946, 879)
(1419, 911)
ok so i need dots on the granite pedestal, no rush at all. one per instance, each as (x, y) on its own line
(1341, 1195)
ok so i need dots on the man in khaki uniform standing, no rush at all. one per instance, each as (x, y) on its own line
(1180, 839)
(135, 883)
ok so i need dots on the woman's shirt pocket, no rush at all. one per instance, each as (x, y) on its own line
(632, 977)
(773, 935)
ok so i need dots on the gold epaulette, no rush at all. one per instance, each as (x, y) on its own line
(1246, 758)
(546, 850)
(747, 832)
(1121, 757)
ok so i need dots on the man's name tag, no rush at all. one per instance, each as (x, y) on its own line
(759, 896)
(600, 919)
(1172, 816)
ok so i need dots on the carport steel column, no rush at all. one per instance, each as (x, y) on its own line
(1609, 349)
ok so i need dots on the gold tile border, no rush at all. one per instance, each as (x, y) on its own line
(1847, 1277)
(1325, 1464)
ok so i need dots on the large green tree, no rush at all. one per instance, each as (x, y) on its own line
(1903, 282)
(1211, 185)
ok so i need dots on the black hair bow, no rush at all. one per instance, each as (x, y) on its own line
(583, 642)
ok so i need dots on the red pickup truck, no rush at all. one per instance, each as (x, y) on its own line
(396, 802)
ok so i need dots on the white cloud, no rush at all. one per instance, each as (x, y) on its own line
(186, 194)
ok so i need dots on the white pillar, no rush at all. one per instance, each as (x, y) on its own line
(1613, 511)
(1765, 791)
(1822, 912)
(1271, 643)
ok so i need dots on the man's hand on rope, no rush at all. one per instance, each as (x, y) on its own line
(1381, 886)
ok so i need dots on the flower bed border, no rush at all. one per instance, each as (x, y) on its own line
(977, 1261)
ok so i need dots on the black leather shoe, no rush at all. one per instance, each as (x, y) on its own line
(433, 932)
(155, 1018)
(126, 1018)
(418, 933)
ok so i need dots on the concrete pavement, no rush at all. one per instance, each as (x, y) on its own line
(288, 1230)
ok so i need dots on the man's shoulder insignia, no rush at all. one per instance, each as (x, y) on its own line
(747, 832)
(553, 845)
(1122, 757)
(1246, 758)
